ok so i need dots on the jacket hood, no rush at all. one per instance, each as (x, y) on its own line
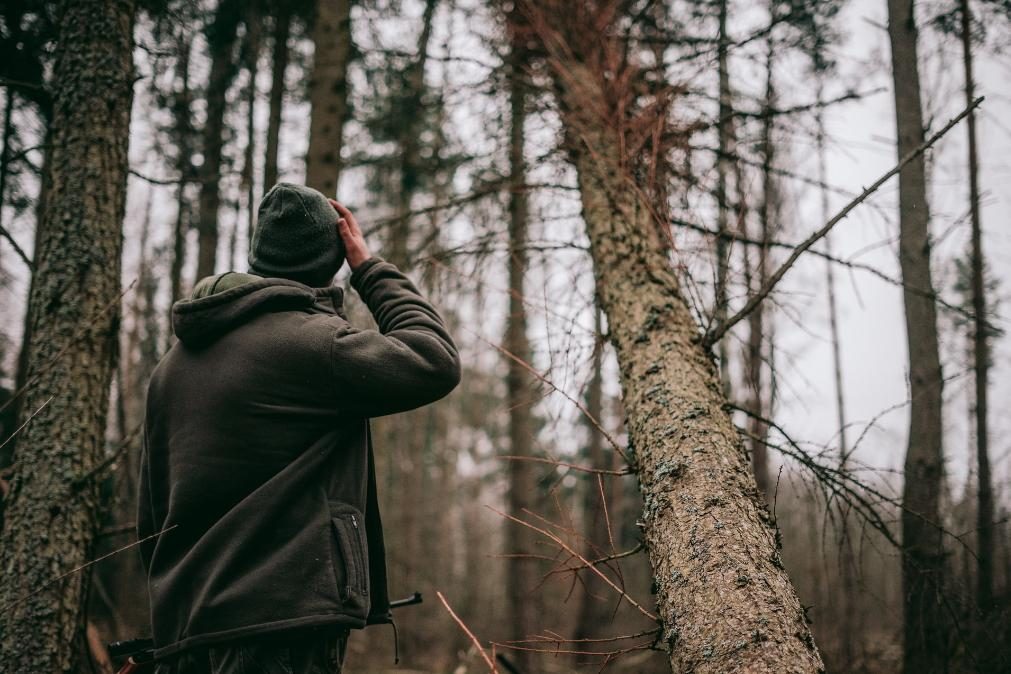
(201, 320)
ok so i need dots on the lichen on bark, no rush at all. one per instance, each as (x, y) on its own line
(51, 513)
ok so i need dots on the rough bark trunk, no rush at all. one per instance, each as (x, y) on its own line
(221, 38)
(922, 552)
(279, 64)
(724, 598)
(521, 573)
(328, 93)
(980, 347)
(52, 508)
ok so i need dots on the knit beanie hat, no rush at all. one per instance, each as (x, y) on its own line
(296, 236)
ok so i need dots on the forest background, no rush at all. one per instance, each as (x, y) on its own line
(410, 121)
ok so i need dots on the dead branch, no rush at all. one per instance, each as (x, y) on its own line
(585, 469)
(562, 544)
(737, 237)
(488, 661)
(714, 335)
(86, 565)
(27, 421)
(582, 408)
(17, 249)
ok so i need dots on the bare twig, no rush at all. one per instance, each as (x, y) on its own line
(488, 661)
(21, 427)
(737, 237)
(582, 408)
(565, 546)
(715, 333)
(573, 466)
(17, 249)
(109, 460)
(57, 579)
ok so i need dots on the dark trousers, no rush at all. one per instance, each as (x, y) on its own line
(312, 651)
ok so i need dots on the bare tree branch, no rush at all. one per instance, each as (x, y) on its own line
(715, 333)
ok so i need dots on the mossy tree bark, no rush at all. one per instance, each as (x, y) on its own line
(52, 507)
(724, 599)
(922, 550)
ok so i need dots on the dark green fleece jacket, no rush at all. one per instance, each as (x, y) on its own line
(258, 464)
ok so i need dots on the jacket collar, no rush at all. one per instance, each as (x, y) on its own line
(204, 319)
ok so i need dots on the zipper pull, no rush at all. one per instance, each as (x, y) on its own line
(354, 521)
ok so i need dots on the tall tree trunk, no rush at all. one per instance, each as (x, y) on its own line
(725, 141)
(183, 133)
(724, 599)
(848, 637)
(52, 509)
(410, 113)
(521, 573)
(922, 552)
(252, 57)
(221, 36)
(328, 94)
(760, 403)
(595, 609)
(279, 64)
(980, 346)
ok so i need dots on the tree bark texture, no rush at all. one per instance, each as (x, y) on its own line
(221, 37)
(328, 94)
(52, 508)
(980, 345)
(922, 552)
(724, 599)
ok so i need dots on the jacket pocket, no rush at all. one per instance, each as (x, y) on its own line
(348, 528)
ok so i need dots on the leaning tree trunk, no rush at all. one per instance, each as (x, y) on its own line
(725, 601)
(328, 94)
(922, 551)
(52, 509)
